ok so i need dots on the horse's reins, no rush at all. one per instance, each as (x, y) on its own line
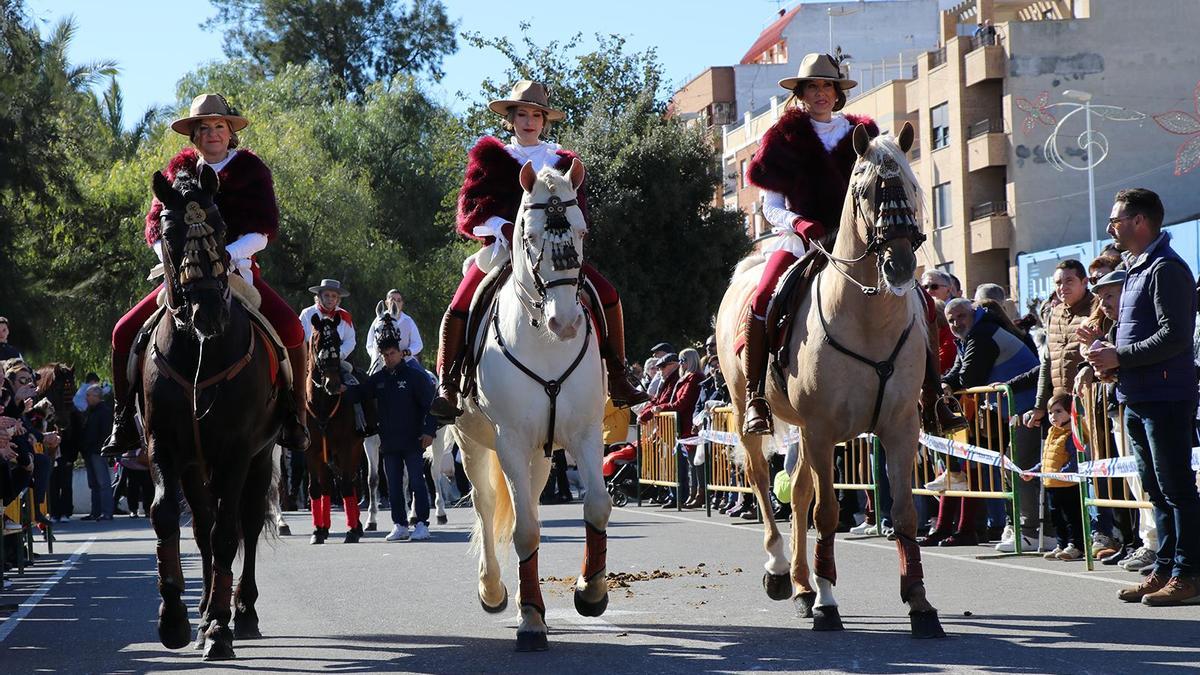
(892, 203)
(556, 210)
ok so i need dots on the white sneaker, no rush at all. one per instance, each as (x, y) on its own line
(1070, 553)
(1008, 535)
(1103, 541)
(1140, 558)
(865, 528)
(1053, 553)
(1028, 544)
(420, 532)
(398, 533)
(948, 480)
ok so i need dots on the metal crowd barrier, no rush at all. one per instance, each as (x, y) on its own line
(720, 467)
(991, 416)
(1105, 440)
(656, 454)
(860, 461)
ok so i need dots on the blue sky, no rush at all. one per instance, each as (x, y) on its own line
(157, 42)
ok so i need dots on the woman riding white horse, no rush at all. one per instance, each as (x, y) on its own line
(539, 388)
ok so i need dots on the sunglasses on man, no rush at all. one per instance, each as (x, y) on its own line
(933, 287)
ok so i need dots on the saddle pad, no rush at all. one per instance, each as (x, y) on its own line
(789, 293)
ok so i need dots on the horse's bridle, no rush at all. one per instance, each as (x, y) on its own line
(563, 254)
(194, 215)
(893, 220)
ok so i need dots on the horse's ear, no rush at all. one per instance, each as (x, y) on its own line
(209, 182)
(862, 140)
(906, 137)
(576, 173)
(163, 190)
(316, 320)
(528, 177)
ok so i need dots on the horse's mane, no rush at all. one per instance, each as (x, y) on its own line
(881, 147)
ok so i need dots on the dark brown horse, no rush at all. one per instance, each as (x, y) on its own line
(212, 413)
(335, 450)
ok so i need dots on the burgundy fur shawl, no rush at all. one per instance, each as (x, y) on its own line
(491, 186)
(246, 197)
(792, 161)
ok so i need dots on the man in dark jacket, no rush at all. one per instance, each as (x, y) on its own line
(1156, 380)
(97, 422)
(403, 393)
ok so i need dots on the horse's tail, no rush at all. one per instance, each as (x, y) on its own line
(505, 518)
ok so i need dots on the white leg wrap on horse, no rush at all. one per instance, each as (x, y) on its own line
(824, 592)
(777, 559)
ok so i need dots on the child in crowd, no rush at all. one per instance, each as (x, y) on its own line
(1059, 456)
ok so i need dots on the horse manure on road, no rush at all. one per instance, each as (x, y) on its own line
(626, 579)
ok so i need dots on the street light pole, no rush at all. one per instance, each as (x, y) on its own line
(1091, 166)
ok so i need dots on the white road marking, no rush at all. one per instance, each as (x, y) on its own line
(26, 607)
(925, 553)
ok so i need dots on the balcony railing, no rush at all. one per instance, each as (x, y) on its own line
(998, 208)
(937, 57)
(984, 126)
(985, 40)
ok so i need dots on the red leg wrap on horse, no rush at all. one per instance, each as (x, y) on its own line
(530, 584)
(466, 289)
(595, 551)
(605, 291)
(326, 512)
(314, 504)
(170, 567)
(350, 504)
(824, 564)
(911, 573)
(222, 593)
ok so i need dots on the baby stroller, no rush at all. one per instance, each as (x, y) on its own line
(620, 468)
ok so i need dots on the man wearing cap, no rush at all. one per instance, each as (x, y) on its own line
(487, 205)
(246, 200)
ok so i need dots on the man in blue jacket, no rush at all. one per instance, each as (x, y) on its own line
(1156, 380)
(403, 392)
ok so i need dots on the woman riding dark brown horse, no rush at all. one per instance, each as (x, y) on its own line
(335, 450)
(212, 413)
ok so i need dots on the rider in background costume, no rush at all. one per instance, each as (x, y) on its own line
(803, 168)
(246, 200)
(487, 205)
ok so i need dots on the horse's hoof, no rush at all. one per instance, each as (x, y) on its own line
(220, 644)
(353, 536)
(319, 536)
(442, 520)
(372, 527)
(174, 629)
(804, 604)
(586, 608)
(925, 625)
(778, 586)
(532, 642)
(245, 627)
(498, 608)
(826, 618)
(285, 530)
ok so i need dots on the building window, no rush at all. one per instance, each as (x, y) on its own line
(742, 174)
(941, 206)
(939, 121)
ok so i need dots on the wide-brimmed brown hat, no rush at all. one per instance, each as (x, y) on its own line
(817, 66)
(209, 106)
(528, 93)
(329, 285)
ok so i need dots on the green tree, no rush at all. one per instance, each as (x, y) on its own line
(124, 143)
(358, 41)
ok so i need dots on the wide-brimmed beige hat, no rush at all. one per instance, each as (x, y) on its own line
(530, 93)
(817, 66)
(329, 285)
(208, 106)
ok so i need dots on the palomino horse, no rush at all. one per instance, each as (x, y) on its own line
(212, 413)
(854, 364)
(334, 452)
(540, 387)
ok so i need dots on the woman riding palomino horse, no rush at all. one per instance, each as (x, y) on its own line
(487, 206)
(212, 414)
(854, 362)
(246, 199)
(803, 168)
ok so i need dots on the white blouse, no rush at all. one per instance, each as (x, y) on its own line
(775, 207)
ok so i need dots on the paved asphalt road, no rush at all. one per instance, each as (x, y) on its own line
(411, 607)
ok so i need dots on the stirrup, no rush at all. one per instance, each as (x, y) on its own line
(293, 435)
(124, 436)
(763, 416)
(443, 409)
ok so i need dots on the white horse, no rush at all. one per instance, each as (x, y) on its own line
(540, 387)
